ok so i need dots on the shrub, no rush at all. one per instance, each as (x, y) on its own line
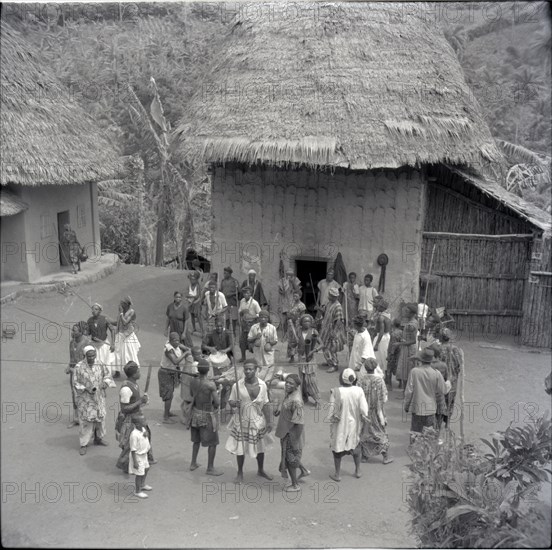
(462, 498)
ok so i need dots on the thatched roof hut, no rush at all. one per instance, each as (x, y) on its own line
(355, 85)
(349, 127)
(47, 137)
(53, 155)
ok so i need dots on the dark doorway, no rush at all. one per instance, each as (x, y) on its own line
(308, 270)
(62, 219)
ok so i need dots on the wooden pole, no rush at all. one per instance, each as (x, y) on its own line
(422, 321)
(150, 368)
(460, 392)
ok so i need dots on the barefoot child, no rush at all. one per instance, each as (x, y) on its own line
(139, 447)
(374, 439)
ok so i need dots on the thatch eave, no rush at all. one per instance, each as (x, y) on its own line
(11, 204)
(540, 219)
(47, 137)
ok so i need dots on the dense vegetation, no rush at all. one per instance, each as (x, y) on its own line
(107, 54)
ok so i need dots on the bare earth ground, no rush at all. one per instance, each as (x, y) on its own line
(51, 496)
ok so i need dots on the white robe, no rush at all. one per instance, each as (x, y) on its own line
(345, 434)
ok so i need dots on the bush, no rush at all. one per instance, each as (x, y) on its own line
(119, 232)
(462, 498)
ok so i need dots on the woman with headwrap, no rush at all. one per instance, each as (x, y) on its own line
(290, 430)
(293, 314)
(98, 326)
(307, 339)
(126, 341)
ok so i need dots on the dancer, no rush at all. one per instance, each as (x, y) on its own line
(127, 345)
(204, 422)
(251, 421)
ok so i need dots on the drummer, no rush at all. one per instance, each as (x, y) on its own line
(219, 341)
(219, 346)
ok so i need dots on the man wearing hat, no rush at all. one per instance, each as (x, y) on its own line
(229, 286)
(332, 332)
(90, 380)
(424, 393)
(286, 287)
(257, 291)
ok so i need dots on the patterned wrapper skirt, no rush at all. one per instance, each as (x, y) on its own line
(373, 439)
(291, 456)
(167, 383)
(309, 382)
(246, 327)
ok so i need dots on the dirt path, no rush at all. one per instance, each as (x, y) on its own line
(51, 496)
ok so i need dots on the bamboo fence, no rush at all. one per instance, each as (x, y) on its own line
(536, 328)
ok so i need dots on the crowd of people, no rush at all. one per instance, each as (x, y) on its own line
(257, 400)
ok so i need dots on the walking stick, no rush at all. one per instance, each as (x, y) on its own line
(239, 407)
(422, 323)
(150, 368)
(347, 325)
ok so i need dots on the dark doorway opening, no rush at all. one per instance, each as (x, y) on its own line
(62, 219)
(308, 270)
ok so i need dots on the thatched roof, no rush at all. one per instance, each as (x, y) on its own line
(47, 138)
(534, 215)
(11, 204)
(357, 85)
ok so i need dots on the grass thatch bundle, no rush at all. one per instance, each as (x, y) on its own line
(11, 204)
(47, 138)
(357, 85)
